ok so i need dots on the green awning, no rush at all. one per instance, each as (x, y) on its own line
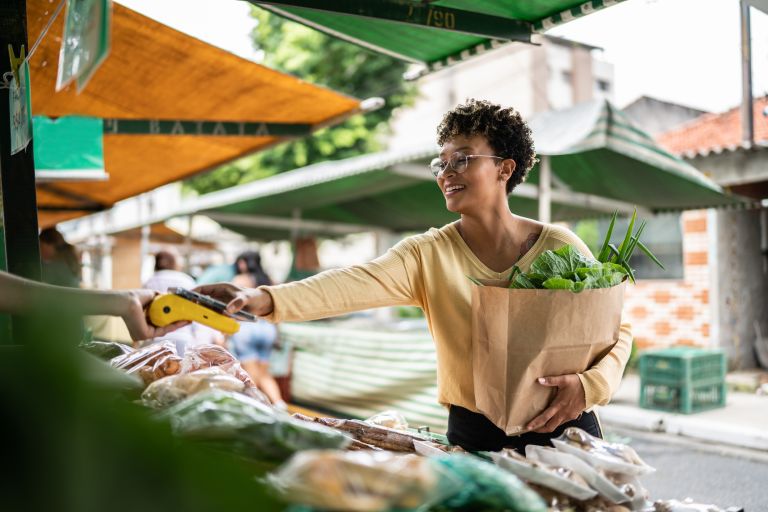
(595, 149)
(600, 163)
(436, 34)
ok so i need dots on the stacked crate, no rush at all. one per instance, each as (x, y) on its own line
(682, 379)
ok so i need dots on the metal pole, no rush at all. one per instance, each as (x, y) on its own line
(545, 190)
(747, 114)
(18, 224)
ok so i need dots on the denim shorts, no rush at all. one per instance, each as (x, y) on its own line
(254, 341)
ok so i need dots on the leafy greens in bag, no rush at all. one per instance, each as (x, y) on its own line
(567, 269)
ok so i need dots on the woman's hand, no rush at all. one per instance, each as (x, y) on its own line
(133, 312)
(568, 404)
(236, 298)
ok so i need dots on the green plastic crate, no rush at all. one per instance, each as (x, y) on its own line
(682, 379)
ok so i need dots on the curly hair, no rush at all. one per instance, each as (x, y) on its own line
(504, 128)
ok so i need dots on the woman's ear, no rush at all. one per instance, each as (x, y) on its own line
(506, 169)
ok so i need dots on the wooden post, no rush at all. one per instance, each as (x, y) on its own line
(18, 224)
(545, 190)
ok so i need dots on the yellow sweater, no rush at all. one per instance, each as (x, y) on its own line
(429, 270)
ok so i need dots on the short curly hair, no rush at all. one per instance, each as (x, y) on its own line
(504, 128)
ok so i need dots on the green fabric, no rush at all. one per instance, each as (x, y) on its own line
(431, 45)
(69, 144)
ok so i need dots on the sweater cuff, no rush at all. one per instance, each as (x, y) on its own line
(596, 390)
(274, 316)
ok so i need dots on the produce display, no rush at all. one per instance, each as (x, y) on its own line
(360, 481)
(247, 426)
(378, 464)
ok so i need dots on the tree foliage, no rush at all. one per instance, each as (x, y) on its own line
(323, 60)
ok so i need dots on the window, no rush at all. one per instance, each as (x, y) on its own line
(603, 85)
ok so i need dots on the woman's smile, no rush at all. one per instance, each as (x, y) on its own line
(453, 189)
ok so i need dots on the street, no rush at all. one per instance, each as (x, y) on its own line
(708, 473)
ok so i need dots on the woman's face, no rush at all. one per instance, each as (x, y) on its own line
(242, 266)
(482, 181)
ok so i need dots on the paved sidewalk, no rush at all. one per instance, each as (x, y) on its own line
(742, 422)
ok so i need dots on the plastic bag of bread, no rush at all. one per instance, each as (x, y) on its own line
(360, 481)
(389, 419)
(173, 389)
(150, 363)
(207, 356)
(560, 479)
(613, 457)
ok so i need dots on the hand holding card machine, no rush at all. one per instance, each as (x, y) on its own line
(185, 305)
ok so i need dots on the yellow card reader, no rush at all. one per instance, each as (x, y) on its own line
(181, 305)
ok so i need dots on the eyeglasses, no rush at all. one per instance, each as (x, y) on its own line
(457, 162)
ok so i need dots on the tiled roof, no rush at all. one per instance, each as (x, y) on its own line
(715, 133)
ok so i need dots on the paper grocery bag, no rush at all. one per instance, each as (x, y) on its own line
(521, 335)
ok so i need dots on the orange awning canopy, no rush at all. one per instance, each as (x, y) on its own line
(154, 72)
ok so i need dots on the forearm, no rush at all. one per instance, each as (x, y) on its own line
(602, 380)
(20, 296)
(382, 282)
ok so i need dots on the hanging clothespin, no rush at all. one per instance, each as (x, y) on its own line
(16, 62)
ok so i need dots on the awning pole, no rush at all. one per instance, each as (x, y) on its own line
(747, 115)
(545, 190)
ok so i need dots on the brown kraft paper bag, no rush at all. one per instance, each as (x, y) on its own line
(521, 335)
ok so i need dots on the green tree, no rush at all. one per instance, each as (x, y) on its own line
(323, 60)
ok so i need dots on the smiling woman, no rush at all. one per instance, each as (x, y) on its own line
(486, 151)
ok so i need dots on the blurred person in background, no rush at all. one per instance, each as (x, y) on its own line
(60, 263)
(254, 342)
(167, 275)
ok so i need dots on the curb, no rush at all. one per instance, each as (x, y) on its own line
(691, 427)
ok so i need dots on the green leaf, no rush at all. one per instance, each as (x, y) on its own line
(549, 264)
(604, 250)
(649, 253)
(615, 252)
(558, 283)
(625, 244)
(521, 281)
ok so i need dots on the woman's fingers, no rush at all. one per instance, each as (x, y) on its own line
(543, 418)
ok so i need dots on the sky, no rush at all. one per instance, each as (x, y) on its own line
(683, 51)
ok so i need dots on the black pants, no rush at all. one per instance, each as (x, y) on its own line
(474, 432)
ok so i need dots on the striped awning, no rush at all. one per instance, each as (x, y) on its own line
(436, 33)
(359, 372)
(172, 106)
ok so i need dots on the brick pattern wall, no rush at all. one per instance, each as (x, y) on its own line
(675, 312)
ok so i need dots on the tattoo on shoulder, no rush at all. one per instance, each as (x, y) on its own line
(528, 244)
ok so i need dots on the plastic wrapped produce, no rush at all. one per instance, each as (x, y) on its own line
(616, 488)
(238, 423)
(484, 486)
(106, 349)
(613, 457)
(359, 481)
(150, 363)
(389, 419)
(173, 389)
(207, 356)
(560, 479)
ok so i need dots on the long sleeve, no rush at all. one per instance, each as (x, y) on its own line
(385, 281)
(602, 380)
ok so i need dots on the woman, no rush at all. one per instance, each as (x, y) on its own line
(253, 343)
(486, 151)
(60, 262)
